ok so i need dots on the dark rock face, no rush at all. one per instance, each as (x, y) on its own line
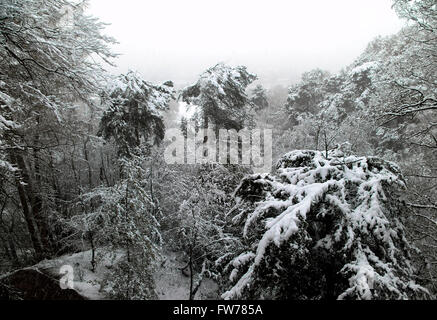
(33, 284)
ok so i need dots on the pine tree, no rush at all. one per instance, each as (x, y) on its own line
(220, 93)
(323, 228)
(259, 98)
(135, 112)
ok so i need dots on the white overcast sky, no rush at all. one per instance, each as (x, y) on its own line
(277, 39)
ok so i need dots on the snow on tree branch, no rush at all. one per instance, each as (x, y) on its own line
(344, 209)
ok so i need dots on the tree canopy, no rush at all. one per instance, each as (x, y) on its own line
(323, 228)
(220, 95)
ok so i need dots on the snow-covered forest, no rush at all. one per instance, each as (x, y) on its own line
(348, 209)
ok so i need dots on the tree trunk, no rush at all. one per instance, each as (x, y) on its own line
(190, 264)
(28, 215)
(13, 251)
(90, 174)
(40, 220)
(93, 251)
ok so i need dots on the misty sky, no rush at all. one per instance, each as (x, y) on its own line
(277, 39)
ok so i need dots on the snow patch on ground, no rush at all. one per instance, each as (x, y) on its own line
(86, 282)
(171, 283)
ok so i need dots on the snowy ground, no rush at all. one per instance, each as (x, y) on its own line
(171, 283)
(86, 282)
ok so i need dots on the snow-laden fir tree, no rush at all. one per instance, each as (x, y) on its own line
(259, 98)
(135, 111)
(305, 97)
(220, 97)
(323, 228)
